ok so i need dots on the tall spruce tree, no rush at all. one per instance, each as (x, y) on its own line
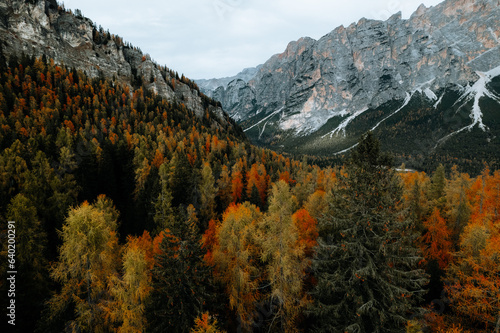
(180, 279)
(366, 263)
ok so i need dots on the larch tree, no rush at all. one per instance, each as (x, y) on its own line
(283, 255)
(473, 280)
(131, 290)
(307, 231)
(237, 260)
(435, 243)
(206, 324)
(88, 260)
(366, 263)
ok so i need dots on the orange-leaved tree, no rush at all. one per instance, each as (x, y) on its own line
(435, 243)
(474, 281)
(237, 259)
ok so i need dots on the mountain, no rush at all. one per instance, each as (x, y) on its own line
(208, 86)
(43, 27)
(425, 85)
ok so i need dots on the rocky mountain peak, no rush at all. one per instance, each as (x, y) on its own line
(316, 89)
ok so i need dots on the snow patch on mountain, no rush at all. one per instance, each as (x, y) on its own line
(305, 123)
(345, 122)
(478, 90)
(405, 103)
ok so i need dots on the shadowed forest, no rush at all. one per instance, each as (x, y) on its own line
(135, 215)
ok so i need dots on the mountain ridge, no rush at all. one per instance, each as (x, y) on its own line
(320, 89)
(43, 27)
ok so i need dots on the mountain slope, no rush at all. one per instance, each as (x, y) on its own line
(43, 27)
(318, 96)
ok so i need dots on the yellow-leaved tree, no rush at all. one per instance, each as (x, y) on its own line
(88, 260)
(237, 259)
(283, 255)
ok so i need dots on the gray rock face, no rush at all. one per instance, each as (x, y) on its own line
(364, 65)
(210, 85)
(41, 27)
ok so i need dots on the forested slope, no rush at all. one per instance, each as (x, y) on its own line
(132, 213)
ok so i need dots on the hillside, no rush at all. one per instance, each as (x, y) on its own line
(45, 28)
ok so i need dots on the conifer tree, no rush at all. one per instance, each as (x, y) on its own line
(179, 279)
(237, 260)
(164, 217)
(366, 263)
(207, 193)
(457, 206)
(283, 256)
(88, 260)
(131, 290)
(29, 261)
(437, 187)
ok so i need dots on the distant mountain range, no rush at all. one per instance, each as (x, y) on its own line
(427, 85)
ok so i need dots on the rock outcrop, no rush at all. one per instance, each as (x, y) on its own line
(359, 68)
(207, 86)
(43, 27)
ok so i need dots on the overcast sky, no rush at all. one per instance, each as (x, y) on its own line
(217, 38)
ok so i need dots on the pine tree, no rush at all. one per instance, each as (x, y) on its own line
(207, 193)
(164, 217)
(457, 206)
(29, 261)
(366, 263)
(437, 187)
(179, 279)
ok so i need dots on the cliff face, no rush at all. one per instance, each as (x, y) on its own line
(42, 27)
(322, 86)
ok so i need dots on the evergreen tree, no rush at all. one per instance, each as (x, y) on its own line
(437, 187)
(180, 279)
(29, 261)
(207, 195)
(457, 206)
(164, 213)
(366, 263)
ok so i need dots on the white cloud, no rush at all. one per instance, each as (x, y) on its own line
(216, 38)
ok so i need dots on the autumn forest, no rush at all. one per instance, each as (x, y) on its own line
(134, 214)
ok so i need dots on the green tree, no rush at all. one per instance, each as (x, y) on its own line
(164, 213)
(437, 187)
(207, 194)
(458, 207)
(366, 263)
(30, 261)
(180, 279)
